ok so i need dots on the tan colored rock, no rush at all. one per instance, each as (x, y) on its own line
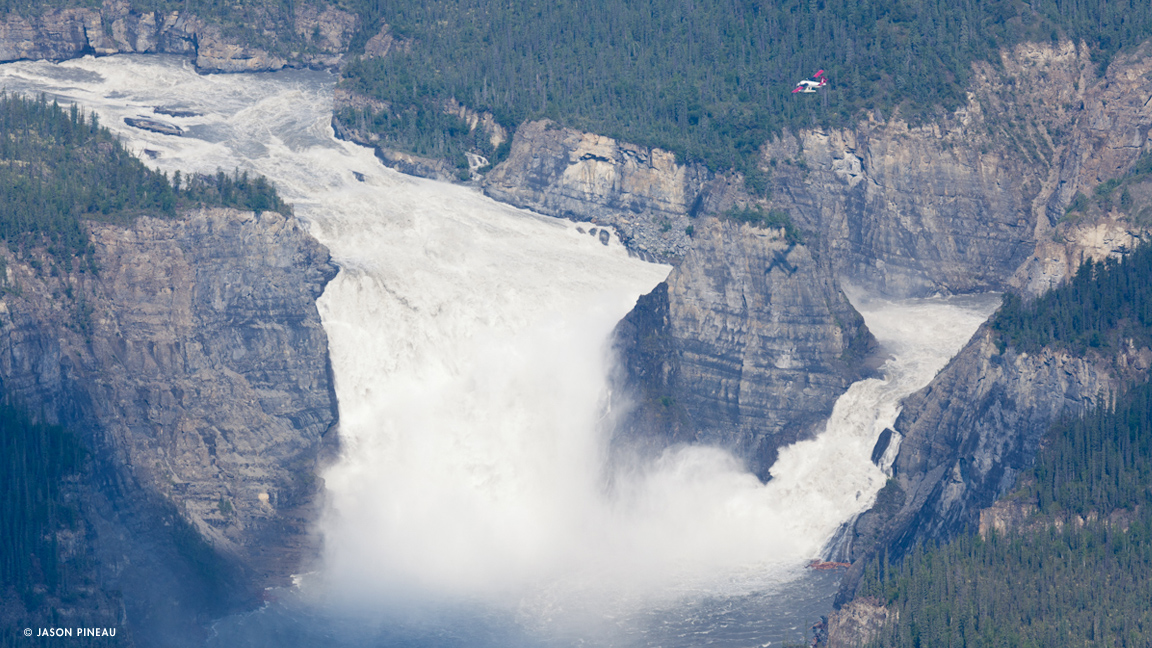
(216, 53)
(486, 121)
(641, 192)
(856, 624)
(116, 28)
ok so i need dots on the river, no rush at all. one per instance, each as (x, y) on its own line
(470, 346)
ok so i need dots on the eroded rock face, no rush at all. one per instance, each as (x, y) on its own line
(323, 36)
(195, 367)
(902, 213)
(746, 345)
(973, 200)
(969, 433)
(641, 192)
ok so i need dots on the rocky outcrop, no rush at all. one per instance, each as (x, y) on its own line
(384, 43)
(641, 192)
(854, 625)
(947, 206)
(746, 345)
(321, 36)
(901, 212)
(485, 121)
(353, 115)
(195, 367)
(972, 430)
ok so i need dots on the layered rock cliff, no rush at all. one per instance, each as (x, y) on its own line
(643, 193)
(972, 430)
(194, 366)
(316, 36)
(974, 199)
(970, 201)
(981, 421)
(746, 345)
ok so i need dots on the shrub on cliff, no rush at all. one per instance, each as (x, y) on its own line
(772, 218)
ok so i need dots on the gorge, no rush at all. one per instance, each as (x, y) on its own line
(745, 346)
(469, 369)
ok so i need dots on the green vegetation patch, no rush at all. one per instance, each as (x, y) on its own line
(59, 167)
(423, 128)
(1069, 586)
(34, 459)
(709, 81)
(1099, 463)
(1116, 195)
(757, 216)
(1102, 307)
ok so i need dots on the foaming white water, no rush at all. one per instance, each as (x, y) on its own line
(468, 341)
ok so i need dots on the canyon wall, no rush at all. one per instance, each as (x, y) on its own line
(194, 367)
(642, 193)
(967, 435)
(972, 201)
(746, 345)
(318, 36)
(750, 339)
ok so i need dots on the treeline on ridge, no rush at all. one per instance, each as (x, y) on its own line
(709, 81)
(60, 166)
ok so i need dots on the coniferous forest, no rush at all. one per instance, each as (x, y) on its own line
(1104, 306)
(59, 166)
(1079, 571)
(34, 462)
(709, 81)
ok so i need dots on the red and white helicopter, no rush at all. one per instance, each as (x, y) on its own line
(817, 81)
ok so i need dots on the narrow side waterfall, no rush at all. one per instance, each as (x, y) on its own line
(470, 346)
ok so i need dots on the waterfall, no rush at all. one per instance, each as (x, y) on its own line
(470, 348)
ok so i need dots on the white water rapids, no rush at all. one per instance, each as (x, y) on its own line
(469, 342)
